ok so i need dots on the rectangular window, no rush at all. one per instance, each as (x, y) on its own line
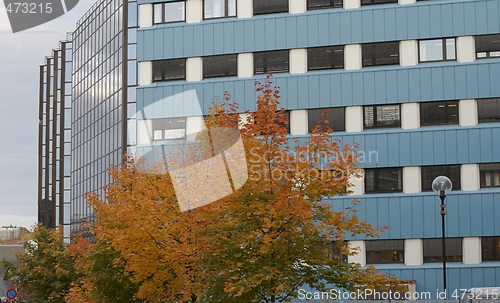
(333, 117)
(219, 8)
(271, 62)
(335, 251)
(328, 57)
(487, 46)
(172, 69)
(429, 173)
(373, 2)
(437, 50)
(168, 128)
(488, 110)
(438, 113)
(433, 250)
(490, 248)
(322, 4)
(382, 116)
(490, 174)
(383, 180)
(269, 6)
(286, 113)
(385, 251)
(220, 66)
(383, 53)
(169, 12)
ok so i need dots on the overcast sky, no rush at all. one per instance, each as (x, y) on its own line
(21, 54)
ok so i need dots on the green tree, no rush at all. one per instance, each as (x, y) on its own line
(46, 271)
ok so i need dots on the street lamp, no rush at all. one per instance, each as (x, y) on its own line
(441, 186)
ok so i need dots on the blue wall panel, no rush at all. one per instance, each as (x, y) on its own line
(391, 22)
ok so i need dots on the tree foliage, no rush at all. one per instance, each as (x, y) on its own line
(263, 242)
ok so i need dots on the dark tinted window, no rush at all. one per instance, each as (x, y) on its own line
(488, 110)
(322, 4)
(372, 2)
(384, 53)
(381, 180)
(169, 128)
(489, 174)
(286, 113)
(384, 251)
(429, 173)
(487, 46)
(269, 6)
(325, 57)
(380, 116)
(335, 251)
(173, 69)
(220, 66)
(490, 248)
(271, 62)
(335, 117)
(438, 113)
(433, 250)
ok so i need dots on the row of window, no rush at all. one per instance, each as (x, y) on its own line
(375, 116)
(176, 11)
(327, 57)
(386, 180)
(393, 251)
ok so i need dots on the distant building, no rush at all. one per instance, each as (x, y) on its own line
(10, 232)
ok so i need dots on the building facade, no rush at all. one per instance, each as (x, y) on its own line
(414, 83)
(54, 148)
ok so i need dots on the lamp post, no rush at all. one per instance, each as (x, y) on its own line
(441, 186)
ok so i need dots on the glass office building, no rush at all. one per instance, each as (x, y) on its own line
(414, 83)
(54, 153)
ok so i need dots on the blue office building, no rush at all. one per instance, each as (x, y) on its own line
(414, 83)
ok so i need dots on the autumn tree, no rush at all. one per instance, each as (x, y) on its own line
(103, 277)
(272, 235)
(46, 271)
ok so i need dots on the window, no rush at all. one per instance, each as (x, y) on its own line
(383, 53)
(220, 66)
(286, 114)
(487, 46)
(372, 2)
(169, 12)
(219, 8)
(429, 173)
(270, 62)
(269, 6)
(335, 251)
(168, 128)
(439, 113)
(381, 116)
(335, 117)
(172, 69)
(328, 57)
(433, 250)
(490, 248)
(384, 251)
(383, 180)
(488, 110)
(436, 50)
(490, 174)
(322, 4)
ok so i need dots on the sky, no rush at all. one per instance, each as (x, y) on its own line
(21, 54)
